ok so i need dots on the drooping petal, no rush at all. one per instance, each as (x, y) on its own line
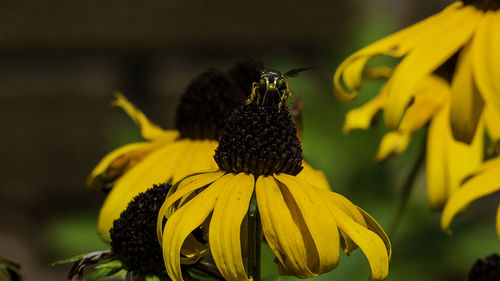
(464, 159)
(117, 162)
(478, 186)
(224, 232)
(345, 205)
(155, 168)
(281, 232)
(449, 161)
(442, 41)
(486, 58)
(314, 177)
(149, 130)
(349, 209)
(396, 45)
(184, 221)
(373, 225)
(361, 117)
(377, 72)
(370, 243)
(320, 225)
(431, 95)
(466, 102)
(437, 161)
(393, 143)
(186, 186)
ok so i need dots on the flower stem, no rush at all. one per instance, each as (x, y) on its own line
(406, 189)
(254, 240)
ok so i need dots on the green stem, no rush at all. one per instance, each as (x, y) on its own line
(406, 189)
(254, 240)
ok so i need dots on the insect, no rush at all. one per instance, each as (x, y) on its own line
(272, 82)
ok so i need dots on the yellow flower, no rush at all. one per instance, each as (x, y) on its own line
(170, 155)
(260, 155)
(167, 155)
(468, 29)
(445, 77)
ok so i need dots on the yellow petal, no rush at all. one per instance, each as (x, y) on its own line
(349, 209)
(199, 157)
(373, 225)
(478, 186)
(442, 41)
(437, 161)
(361, 117)
(281, 232)
(184, 221)
(320, 225)
(431, 95)
(393, 143)
(464, 159)
(117, 162)
(314, 177)
(377, 72)
(345, 205)
(224, 232)
(203, 159)
(149, 130)
(490, 164)
(370, 243)
(396, 45)
(449, 162)
(182, 188)
(486, 58)
(155, 168)
(466, 102)
(492, 121)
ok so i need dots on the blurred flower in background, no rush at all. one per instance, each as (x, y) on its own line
(445, 77)
(170, 154)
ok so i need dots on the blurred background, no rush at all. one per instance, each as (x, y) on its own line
(60, 61)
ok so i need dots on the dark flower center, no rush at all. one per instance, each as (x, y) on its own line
(486, 270)
(133, 236)
(208, 100)
(484, 4)
(260, 140)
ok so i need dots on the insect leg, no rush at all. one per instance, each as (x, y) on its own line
(253, 94)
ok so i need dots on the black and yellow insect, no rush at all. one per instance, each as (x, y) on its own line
(272, 86)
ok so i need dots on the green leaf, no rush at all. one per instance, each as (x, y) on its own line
(100, 273)
(69, 260)
(110, 264)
